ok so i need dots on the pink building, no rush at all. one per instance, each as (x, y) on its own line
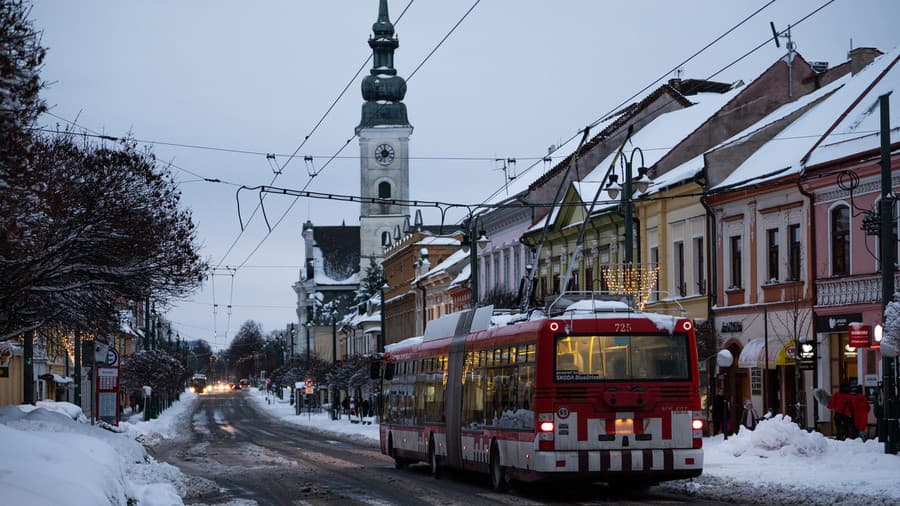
(842, 178)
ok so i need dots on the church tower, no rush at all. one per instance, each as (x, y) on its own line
(383, 132)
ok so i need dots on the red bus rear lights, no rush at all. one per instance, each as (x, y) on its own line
(560, 463)
(546, 427)
(688, 462)
(697, 424)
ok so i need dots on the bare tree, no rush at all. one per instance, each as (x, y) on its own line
(795, 323)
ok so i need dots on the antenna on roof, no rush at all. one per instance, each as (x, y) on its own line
(791, 47)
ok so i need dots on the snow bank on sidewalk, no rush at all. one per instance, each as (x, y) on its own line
(318, 422)
(52, 458)
(781, 463)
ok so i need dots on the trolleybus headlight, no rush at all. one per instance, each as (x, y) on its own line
(697, 424)
(546, 426)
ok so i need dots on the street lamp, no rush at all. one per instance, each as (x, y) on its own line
(382, 334)
(334, 314)
(293, 333)
(641, 183)
(469, 240)
(308, 325)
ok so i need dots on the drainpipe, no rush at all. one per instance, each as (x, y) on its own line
(810, 270)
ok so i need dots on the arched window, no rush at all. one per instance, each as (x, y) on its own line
(840, 241)
(384, 190)
(385, 238)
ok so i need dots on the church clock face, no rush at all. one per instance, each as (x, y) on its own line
(384, 154)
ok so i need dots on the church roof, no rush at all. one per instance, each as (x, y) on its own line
(340, 250)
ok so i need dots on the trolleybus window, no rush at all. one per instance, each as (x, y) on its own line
(630, 357)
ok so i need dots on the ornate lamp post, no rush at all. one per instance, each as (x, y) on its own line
(469, 240)
(382, 336)
(640, 184)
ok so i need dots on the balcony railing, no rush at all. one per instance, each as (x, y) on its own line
(850, 290)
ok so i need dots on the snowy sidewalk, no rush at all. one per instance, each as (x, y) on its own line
(52, 456)
(319, 422)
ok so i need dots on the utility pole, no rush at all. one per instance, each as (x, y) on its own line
(78, 367)
(28, 370)
(147, 323)
(888, 245)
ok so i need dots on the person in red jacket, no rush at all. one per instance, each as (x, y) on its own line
(860, 405)
(842, 404)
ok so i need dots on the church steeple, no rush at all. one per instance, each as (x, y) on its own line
(383, 90)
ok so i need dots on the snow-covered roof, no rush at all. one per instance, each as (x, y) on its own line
(463, 276)
(662, 134)
(858, 131)
(323, 279)
(438, 241)
(782, 155)
(684, 172)
(450, 261)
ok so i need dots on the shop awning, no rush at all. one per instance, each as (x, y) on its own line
(754, 353)
(61, 380)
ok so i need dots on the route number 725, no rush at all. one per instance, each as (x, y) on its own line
(623, 327)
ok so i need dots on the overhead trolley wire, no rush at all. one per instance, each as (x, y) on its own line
(303, 143)
(645, 88)
(348, 141)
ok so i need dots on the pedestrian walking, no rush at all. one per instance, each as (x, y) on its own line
(749, 418)
(860, 406)
(721, 414)
(841, 404)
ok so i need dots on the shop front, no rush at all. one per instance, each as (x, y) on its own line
(847, 356)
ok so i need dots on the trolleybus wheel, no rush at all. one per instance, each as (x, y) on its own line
(498, 479)
(434, 467)
(399, 463)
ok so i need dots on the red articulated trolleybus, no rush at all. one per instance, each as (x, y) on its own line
(596, 392)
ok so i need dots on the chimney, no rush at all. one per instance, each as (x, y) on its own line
(861, 57)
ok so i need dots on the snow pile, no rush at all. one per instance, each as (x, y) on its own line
(66, 408)
(50, 458)
(169, 425)
(779, 435)
(320, 422)
(778, 463)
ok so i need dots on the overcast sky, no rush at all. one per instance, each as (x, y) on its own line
(516, 77)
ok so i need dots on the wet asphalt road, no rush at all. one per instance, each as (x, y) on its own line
(237, 455)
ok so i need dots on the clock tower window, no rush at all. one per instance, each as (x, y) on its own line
(384, 190)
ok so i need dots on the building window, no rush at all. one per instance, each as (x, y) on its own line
(589, 279)
(506, 259)
(678, 258)
(794, 252)
(497, 273)
(556, 284)
(736, 281)
(699, 267)
(772, 249)
(543, 286)
(384, 190)
(654, 262)
(840, 241)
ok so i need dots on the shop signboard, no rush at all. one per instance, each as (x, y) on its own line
(859, 335)
(836, 322)
(806, 356)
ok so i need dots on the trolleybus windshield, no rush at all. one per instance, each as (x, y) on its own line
(622, 357)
